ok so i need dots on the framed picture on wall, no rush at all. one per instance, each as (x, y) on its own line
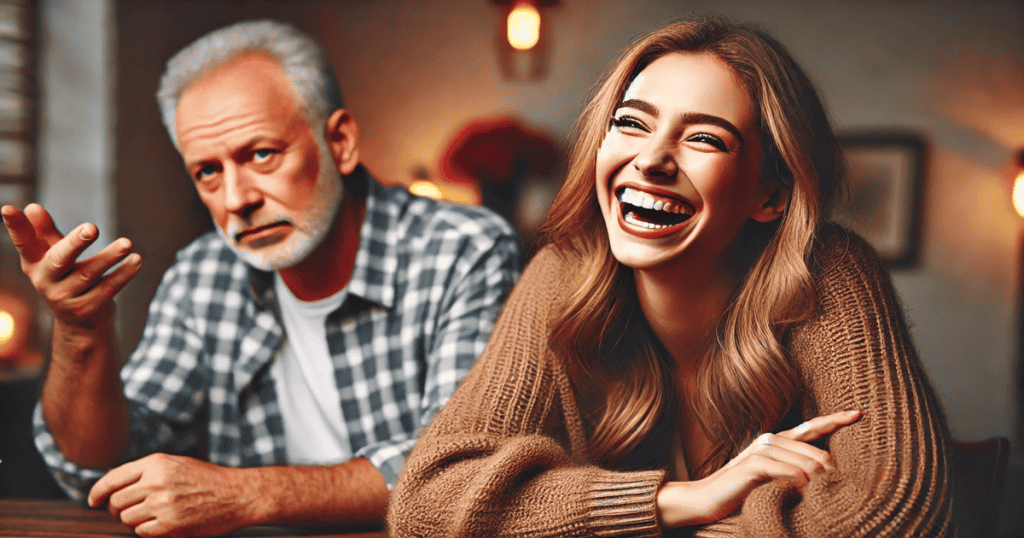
(884, 178)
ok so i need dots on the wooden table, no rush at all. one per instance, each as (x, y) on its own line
(67, 519)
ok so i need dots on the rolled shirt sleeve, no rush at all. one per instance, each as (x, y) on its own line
(164, 384)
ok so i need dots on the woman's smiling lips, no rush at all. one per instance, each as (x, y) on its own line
(649, 213)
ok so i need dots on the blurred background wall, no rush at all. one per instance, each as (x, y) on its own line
(415, 72)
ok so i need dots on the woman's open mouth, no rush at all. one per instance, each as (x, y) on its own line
(652, 211)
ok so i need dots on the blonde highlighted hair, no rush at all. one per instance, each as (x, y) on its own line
(745, 382)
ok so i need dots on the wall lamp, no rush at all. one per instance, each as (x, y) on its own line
(1017, 183)
(522, 39)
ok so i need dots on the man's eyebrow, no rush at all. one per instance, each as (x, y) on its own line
(253, 141)
(196, 162)
(244, 148)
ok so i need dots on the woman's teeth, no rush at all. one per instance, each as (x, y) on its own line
(644, 200)
(642, 209)
(631, 218)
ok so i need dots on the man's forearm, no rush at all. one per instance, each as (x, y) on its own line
(349, 493)
(82, 398)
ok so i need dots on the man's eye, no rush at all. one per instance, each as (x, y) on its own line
(261, 155)
(704, 138)
(206, 172)
(628, 122)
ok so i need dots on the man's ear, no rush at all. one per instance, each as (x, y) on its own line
(774, 201)
(342, 135)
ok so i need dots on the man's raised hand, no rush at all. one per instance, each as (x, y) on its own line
(79, 292)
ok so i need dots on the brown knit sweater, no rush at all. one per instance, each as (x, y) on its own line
(506, 456)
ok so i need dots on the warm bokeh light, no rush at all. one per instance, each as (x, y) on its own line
(426, 188)
(6, 327)
(523, 26)
(1018, 193)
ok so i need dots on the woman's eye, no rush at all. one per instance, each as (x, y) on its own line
(628, 122)
(713, 141)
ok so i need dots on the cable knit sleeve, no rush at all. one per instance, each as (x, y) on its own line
(504, 456)
(894, 474)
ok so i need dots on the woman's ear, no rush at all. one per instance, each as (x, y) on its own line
(775, 199)
(342, 135)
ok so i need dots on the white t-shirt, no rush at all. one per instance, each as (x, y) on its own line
(303, 373)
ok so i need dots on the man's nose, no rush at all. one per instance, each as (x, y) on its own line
(657, 160)
(241, 194)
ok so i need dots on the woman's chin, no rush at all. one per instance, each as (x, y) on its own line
(638, 254)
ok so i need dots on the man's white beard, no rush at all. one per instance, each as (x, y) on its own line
(307, 234)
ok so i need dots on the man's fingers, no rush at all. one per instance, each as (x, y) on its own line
(126, 497)
(64, 253)
(151, 527)
(89, 273)
(115, 479)
(135, 516)
(38, 240)
(43, 223)
(23, 234)
(111, 284)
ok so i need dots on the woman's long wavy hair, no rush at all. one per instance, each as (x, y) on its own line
(745, 382)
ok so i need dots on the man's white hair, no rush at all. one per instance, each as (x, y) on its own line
(305, 65)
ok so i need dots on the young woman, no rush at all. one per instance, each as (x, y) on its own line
(691, 299)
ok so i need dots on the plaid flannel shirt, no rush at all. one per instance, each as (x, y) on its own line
(429, 281)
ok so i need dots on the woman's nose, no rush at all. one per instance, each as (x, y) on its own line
(656, 160)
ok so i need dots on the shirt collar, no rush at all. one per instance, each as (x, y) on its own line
(376, 265)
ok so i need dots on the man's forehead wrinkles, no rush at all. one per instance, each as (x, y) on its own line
(221, 127)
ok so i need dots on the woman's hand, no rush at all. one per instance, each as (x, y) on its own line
(784, 455)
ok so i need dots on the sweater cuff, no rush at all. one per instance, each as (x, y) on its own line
(624, 504)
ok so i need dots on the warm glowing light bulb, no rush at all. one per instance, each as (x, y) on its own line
(6, 327)
(425, 188)
(1018, 193)
(523, 26)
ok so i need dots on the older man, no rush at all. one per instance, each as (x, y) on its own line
(289, 358)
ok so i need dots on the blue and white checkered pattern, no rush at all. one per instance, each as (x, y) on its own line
(429, 281)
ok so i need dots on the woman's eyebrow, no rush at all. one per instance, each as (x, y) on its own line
(697, 117)
(688, 118)
(641, 105)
